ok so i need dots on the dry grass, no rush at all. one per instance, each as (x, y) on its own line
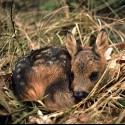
(103, 105)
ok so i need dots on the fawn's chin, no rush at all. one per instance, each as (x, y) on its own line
(86, 104)
(77, 100)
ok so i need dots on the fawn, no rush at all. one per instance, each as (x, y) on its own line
(60, 75)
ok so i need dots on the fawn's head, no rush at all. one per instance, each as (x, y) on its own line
(88, 64)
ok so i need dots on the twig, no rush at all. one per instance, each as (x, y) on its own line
(66, 9)
(13, 26)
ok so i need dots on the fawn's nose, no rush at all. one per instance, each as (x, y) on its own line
(80, 94)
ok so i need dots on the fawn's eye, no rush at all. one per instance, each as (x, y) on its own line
(94, 76)
(71, 76)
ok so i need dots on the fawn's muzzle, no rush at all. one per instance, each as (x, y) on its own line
(79, 95)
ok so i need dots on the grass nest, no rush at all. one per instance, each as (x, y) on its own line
(22, 32)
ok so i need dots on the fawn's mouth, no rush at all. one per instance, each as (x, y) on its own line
(78, 100)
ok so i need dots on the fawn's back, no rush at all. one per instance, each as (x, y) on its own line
(60, 74)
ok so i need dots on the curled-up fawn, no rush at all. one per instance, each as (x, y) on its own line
(60, 75)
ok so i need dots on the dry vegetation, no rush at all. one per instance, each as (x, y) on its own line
(35, 27)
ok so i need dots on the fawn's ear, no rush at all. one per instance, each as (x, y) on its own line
(71, 44)
(102, 43)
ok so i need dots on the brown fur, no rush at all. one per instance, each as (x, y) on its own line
(41, 76)
(51, 72)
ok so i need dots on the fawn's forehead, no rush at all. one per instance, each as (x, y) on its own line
(86, 61)
(86, 55)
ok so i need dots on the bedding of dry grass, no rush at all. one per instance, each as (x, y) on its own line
(21, 32)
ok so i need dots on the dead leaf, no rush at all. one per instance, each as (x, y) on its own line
(108, 53)
(120, 61)
(40, 119)
(122, 46)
